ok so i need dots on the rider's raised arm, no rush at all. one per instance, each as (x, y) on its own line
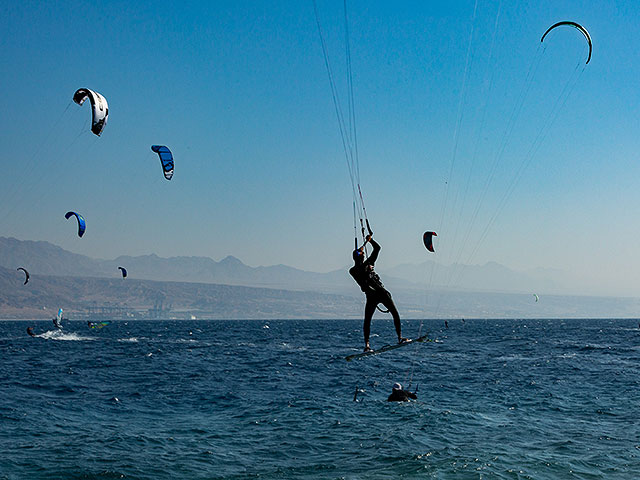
(374, 255)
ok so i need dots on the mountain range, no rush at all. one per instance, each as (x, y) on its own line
(205, 288)
(44, 258)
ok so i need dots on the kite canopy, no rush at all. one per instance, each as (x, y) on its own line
(82, 226)
(99, 108)
(427, 238)
(574, 25)
(26, 274)
(166, 158)
(124, 272)
(98, 324)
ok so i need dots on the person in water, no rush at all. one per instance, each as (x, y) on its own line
(374, 290)
(400, 395)
(30, 331)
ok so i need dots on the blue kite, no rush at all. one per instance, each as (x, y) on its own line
(166, 158)
(82, 226)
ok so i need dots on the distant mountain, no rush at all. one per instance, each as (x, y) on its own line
(45, 258)
(205, 288)
(86, 297)
(41, 297)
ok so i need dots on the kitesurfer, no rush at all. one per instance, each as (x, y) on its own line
(30, 331)
(374, 290)
(400, 395)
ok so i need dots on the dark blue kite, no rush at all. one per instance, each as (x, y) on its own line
(166, 158)
(82, 226)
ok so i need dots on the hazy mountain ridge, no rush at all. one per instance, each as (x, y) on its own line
(41, 297)
(47, 259)
(230, 289)
(44, 258)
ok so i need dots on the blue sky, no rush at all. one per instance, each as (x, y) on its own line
(239, 92)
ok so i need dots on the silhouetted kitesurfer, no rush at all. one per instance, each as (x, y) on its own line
(370, 284)
(30, 331)
(400, 395)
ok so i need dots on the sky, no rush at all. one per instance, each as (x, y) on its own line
(452, 99)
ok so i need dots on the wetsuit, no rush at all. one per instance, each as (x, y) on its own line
(401, 396)
(370, 284)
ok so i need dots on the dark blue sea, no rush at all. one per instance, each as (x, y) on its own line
(497, 399)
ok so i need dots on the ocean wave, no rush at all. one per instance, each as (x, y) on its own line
(64, 336)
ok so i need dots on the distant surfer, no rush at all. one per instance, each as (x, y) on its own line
(400, 395)
(374, 290)
(30, 332)
(57, 322)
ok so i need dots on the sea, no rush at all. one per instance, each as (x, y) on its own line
(497, 399)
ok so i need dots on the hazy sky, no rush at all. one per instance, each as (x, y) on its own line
(239, 92)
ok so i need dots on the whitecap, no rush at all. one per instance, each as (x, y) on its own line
(64, 336)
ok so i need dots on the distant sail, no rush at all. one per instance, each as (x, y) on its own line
(58, 320)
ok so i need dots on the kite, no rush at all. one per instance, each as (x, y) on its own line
(26, 274)
(82, 226)
(574, 25)
(166, 158)
(99, 108)
(427, 238)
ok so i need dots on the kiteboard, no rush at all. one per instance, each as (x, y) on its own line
(386, 348)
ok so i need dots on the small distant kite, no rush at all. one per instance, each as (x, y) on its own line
(427, 238)
(97, 324)
(26, 275)
(536, 297)
(166, 158)
(82, 226)
(574, 25)
(99, 108)
(124, 272)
